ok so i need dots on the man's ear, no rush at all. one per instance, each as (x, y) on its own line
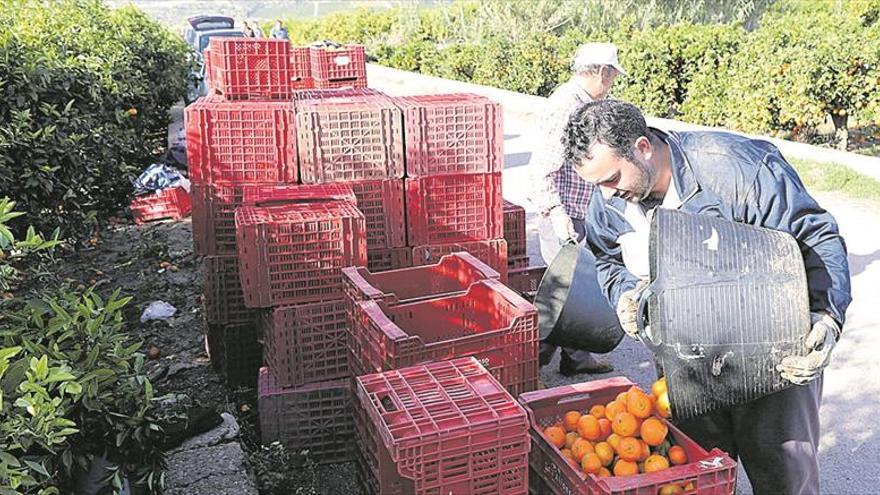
(643, 145)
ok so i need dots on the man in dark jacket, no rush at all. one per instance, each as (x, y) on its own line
(638, 169)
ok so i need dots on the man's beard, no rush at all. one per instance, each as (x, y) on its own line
(645, 181)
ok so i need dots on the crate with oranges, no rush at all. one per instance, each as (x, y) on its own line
(611, 437)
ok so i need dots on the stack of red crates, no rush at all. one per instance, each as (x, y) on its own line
(454, 157)
(446, 427)
(521, 277)
(454, 308)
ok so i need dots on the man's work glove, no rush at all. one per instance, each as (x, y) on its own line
(801, 370)
(628, 308)
(563, 227)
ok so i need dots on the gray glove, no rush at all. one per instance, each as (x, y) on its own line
(563, 227)
(801, 370)
(628, 309)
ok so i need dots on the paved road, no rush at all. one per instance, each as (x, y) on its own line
(850, 443)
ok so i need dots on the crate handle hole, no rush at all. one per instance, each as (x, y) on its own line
(387, 404)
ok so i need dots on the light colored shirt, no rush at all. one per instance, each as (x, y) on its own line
(635, 245)
(558, 185)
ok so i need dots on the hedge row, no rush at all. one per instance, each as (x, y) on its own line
(803, 63)
(84, 99)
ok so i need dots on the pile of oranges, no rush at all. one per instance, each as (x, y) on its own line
(624, 437)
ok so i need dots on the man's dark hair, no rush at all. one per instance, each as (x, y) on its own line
(614, 123)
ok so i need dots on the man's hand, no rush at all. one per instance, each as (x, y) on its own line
(563, 227)
(628, 309)
(801, 370)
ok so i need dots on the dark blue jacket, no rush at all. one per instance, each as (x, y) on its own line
(741, 179)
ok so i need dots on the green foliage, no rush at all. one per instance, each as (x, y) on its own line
(12, 250)
(84, 106)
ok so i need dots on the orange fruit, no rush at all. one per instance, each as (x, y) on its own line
(588, 427)
(555, 435)
(621, 397)
(604, 428)
(605, 453)
(625, 424)
(580, 448)
(591, 464)
(630, 449)
(670, 489)
(677, 455)
(598, 410)
(638, 404)
(570, 438)
(625, 468)
(614, 408)
(570, 420)
(614, 441)
(689, 487)
(662, 405)
(646, 451)
(659, 387)
(567, 454)
(656, 463)
(604, 472)
(653, 431)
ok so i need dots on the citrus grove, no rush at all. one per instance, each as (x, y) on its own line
(624, 437)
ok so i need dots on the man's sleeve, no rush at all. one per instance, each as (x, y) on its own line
(549, 158)
(603, 229)
(780, 201)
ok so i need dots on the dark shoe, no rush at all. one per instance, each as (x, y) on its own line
(583, 362)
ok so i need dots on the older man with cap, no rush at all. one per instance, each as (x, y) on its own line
(561, 195)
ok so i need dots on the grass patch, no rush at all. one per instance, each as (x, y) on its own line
(833, 177)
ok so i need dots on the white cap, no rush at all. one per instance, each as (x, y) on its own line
(596, 54)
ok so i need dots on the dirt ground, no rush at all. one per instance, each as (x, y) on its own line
(132, 258)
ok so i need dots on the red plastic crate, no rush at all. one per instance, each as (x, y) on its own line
(453, 208)
(223, 298)
(446, 427)
(335, 95)
(316, 417)
(171, 202)
(348, 138)
(492, 253)
(452, 134)
(235, 352)
(306, 343)
(240, 142)
(515, 229)
(339, 67)
(248, 68)
(489, 321)
(383, 259)
(453, 274)
(526, 280)
(294, 253)
(301, 68)
(711, 472)
(381, 202)
(214, 208)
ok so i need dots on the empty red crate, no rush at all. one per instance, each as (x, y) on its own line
(348, 138)
(240, 142)
(452, 134)
(492, 253)
(382, 259)
(446, 427)
(316, 417)
(453, 208)
(453, 274)
(295, 253)
(223, 298)
(171, 202)
(515, 229)
(306, 343)
(711, 472)
(214, 208)
(381, 202)
(339, 67)
(489, 321)
(247, 68)
(235, 352)
(526, 280)
(300, 68)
